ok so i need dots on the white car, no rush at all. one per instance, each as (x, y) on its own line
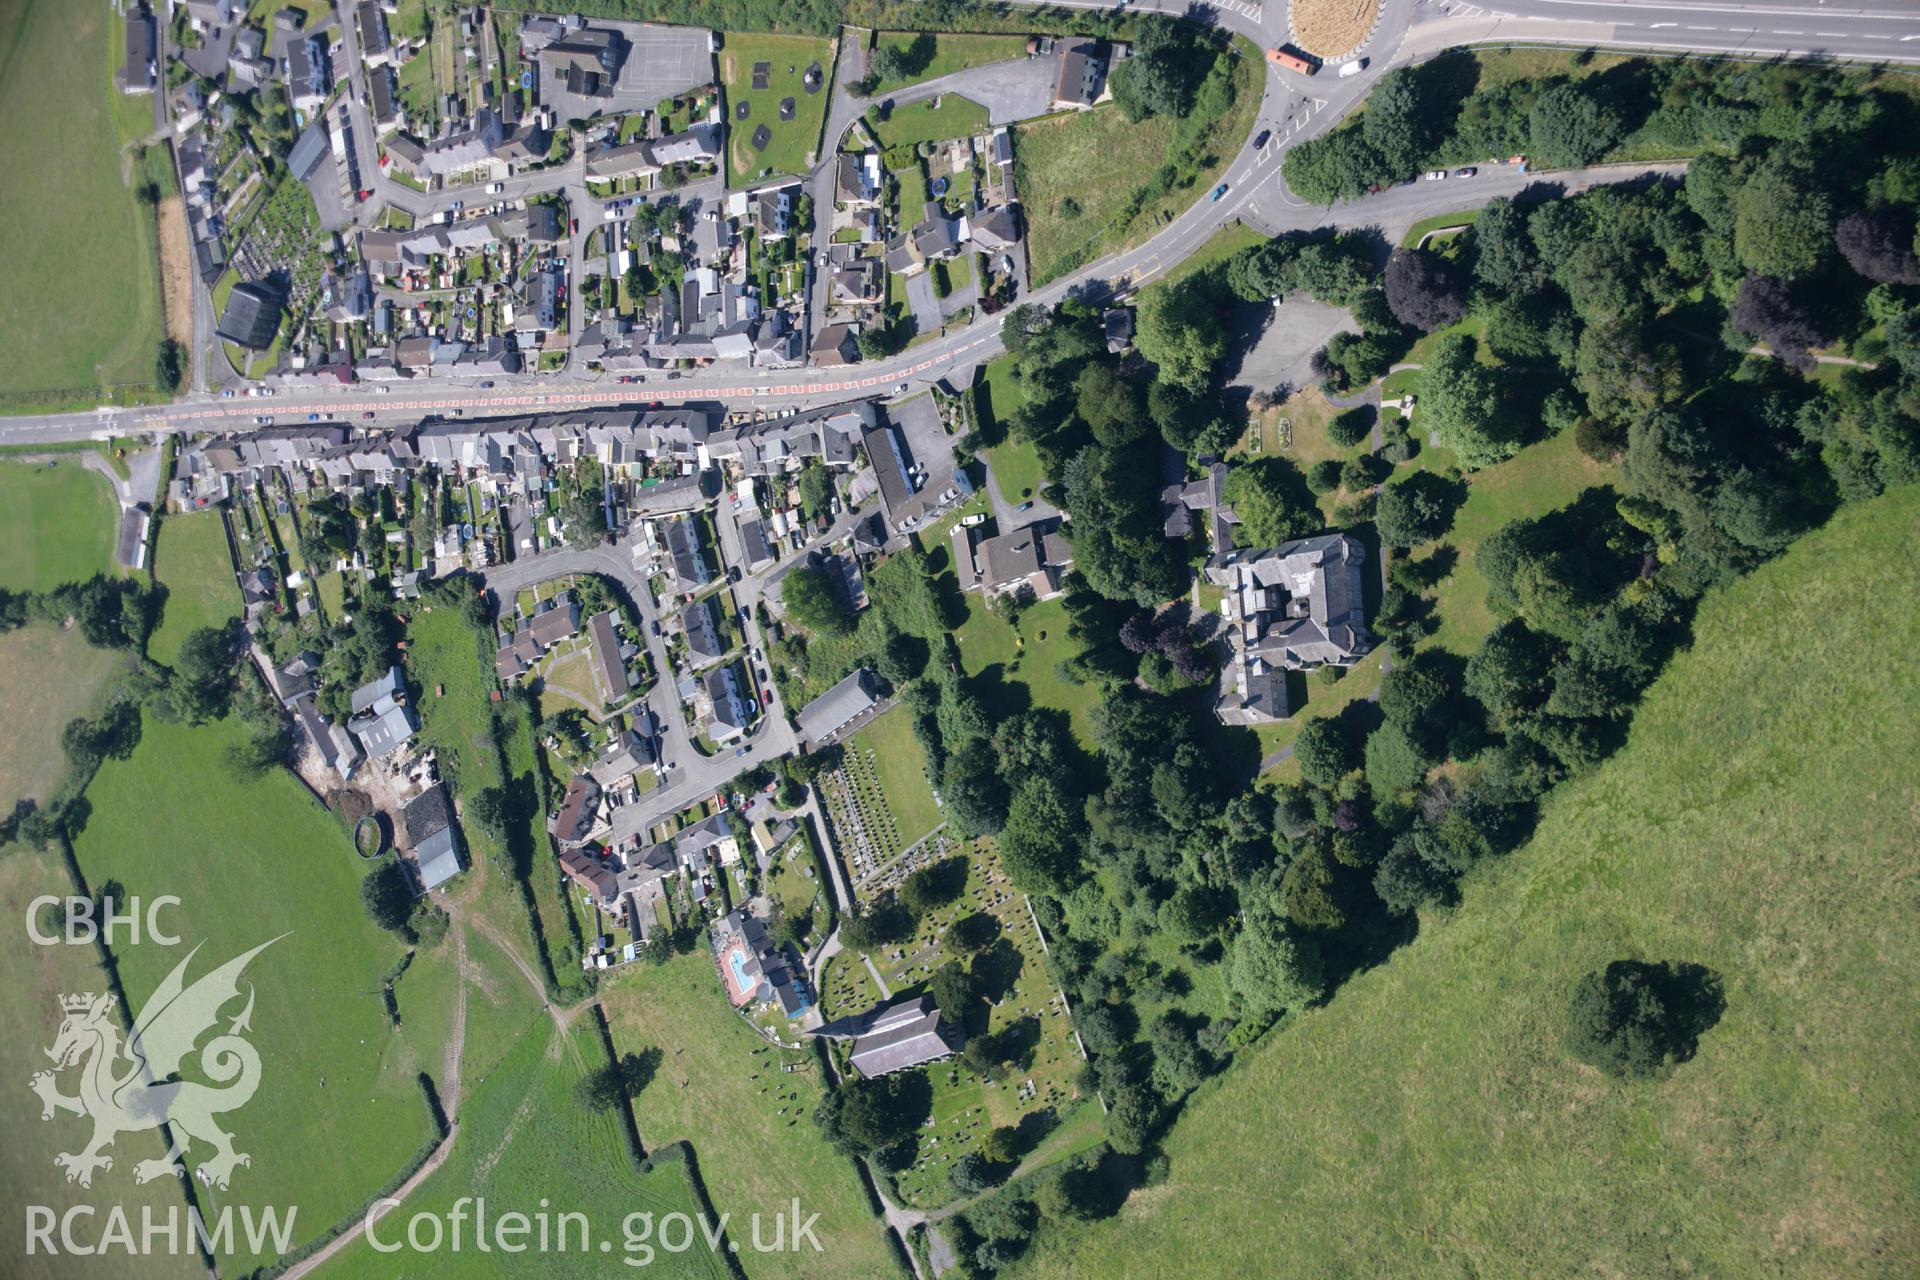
(1436, 174)
(1353, 68)
(495, 188)
(978, 517)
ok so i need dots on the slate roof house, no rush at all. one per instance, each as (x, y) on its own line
(1080, 74)
(577, 810)
(381, 720)
(896, 1037)
(1035, 556)
(430, 831)
(1180, 502)
(1288, 608)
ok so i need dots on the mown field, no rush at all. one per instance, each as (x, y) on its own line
(252, 861)
(1015, 463)
(1759, 821)
(720, 1087)
(526, 1145)
(192, 561)
(78, 262)
(792, 141)
(61, 523)
(900, 767)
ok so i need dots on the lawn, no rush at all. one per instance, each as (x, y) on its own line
(252, 861)
(62, 521)
(1758, 822)
(950, 116)
(35, 978)
(933, 55)
(1015, 463)
(899, 766)
(720, 1088)
(192, 562)
(47, 677)
(1540, 478)
(1079, 173)
(527, 1145)
(1012, 670)
(793, 141)
(78, 259)
(1438, 222)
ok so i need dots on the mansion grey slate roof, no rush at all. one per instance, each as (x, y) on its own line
(1292, 607)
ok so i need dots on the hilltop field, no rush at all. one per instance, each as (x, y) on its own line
(1760, 822)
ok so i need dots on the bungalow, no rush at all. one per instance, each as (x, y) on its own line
(995, 230)
(698, 145)
(859, 283)
(628, 753)
(609, 666)
(929, 239)
(704, 644)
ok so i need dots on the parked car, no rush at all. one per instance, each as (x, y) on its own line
(313, 417)
(227, 393)
(1025, 506)
(1434, 175)
(573, 226)
(495, 188)
(1260, 139)
(1353, 68)
(367, 414)
(264, 419)
(487, 385)
(1467, 172)
(977, 518)
(1218, 192)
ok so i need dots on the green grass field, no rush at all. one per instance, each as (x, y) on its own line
(793, 140)
(901, 768)
(1540, 478)
(526, 1145)
(78, 262)
(61, 523)
(443, 653)
(720, 1087)
(32, 980)
(192, 562)
(1759, 821)
(251, 861)
(917, 122)
(951, 53)
(1098, 160)
(1016, 463)
(1012, 670)
(47, 677)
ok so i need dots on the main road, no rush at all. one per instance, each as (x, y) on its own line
(1293, 109)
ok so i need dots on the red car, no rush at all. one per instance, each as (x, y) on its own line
(575, 228)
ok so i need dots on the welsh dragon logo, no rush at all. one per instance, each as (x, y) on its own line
(126, 1089)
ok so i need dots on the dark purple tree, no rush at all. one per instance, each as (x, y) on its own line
(1774, 312)
(1424, 290)
(1879, 245)
(1137, 633)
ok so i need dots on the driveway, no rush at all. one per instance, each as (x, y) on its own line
(1019, 89)
(923, 301)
